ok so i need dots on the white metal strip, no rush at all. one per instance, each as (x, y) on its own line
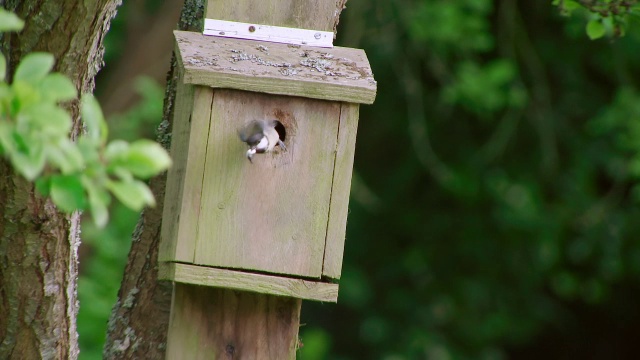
(268, 33)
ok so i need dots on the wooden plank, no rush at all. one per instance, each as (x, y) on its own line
(303, 14)
(269, 215)
(175, 175)
(336, 228)
(210, 323)
(339, 74)
(190, 206)
(238, 280)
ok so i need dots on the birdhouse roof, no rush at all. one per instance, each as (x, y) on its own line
(338, 74)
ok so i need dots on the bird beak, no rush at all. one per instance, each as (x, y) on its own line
(250, 154)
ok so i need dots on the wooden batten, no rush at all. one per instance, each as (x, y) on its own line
(184, 180)
(339, 207)
(175, 177)
(238, 280)
(338, 74)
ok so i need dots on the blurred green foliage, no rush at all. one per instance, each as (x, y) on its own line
(495, 201)
(606, 16)
(103, 259)
(104, 251)
(502, 154)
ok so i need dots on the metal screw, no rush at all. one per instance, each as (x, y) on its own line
(317, 36)
(252, 28)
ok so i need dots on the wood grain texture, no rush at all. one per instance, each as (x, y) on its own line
(175, 175)
(238, 280)
(290, 13)
(184, 180)
(210, 323)
(193, 182)
(339, 74)
(336, 228)
(269, 215)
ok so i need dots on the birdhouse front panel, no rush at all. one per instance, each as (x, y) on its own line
(268, 214)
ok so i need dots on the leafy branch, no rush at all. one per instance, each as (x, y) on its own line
(34, 137)
(605, 14)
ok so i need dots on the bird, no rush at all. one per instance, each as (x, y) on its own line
(261, 136)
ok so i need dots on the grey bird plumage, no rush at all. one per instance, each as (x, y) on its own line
(261, 136)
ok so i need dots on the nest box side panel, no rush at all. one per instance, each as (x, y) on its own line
(175, 175)
(336, 230)
(184, 180)
(270, 215)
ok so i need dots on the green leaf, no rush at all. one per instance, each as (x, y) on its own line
(99, 201)
(94, 119)
(67, 192)
(133, 194)
(24, 95)
(570, 5)
(47, 118)
(29, 165)
(5, 101)
(57, 87)
(3, 67)
(21, 144)
(73, 154)
(122, 173)
(43, 185)
(146, 158)
(66, 156)
(99, 209)
(34, 67)
(89, 150)
(117, 149)
(10, 21)
(6, 139)
(595, 29)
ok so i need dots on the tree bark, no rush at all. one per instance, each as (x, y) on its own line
(38, 244)
(140, 319)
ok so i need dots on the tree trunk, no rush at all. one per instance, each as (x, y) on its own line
(38, 244)
(139, 320)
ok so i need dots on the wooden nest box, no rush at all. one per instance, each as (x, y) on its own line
(275, 225)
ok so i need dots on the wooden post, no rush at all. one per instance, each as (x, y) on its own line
(215, 323)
